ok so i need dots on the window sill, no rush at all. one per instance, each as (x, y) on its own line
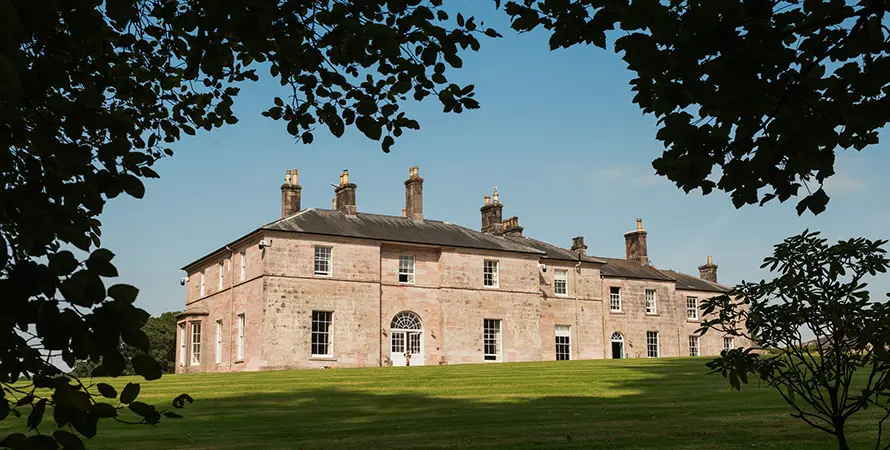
(323, 275)
(240, 361)
(490, 287)
(653, 315)
(561, 295)
(693, 320)
(617, 313)
(321, 358)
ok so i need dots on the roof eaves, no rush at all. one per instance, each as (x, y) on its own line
(220, 250)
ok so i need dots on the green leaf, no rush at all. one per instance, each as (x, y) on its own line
(100, 262)
(123, 293)
(146, 366)
(132, 185)
(103, 410)
(106, 390)
(368, 126)
(36, 414)
(130, 392)
(68, 440)
(179, 401)
(388, 141)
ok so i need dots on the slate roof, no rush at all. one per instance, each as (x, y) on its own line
(693, 283)
(623, 268)
(553, 252)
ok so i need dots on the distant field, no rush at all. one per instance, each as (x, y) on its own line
(634, 403)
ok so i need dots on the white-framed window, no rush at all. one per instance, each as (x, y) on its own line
(182, 347)
(651, 302)
(203, 289)
(563, 342)
(490, 273)
(322, 333)
(615, 299)
(728, 344)
(241, 326)
(692, 308)
(196, 343)
(220, 275)
(243, 265)
(694, 349)
(228, 264)
(406, 269)
(652, 344)
(491, 337)
(323, 261)
(561, 282)
(219, 341)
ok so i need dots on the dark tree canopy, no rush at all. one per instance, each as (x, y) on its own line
(752, 97)
(93, 93)
(161, 333)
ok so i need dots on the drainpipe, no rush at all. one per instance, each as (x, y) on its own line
(380, 308)
(231, 306)
(577, 277)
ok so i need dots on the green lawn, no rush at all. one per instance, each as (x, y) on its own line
(633, 403)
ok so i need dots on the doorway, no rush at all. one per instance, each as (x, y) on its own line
(617, 345)
(406, 340)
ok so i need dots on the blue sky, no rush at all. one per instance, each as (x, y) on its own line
(557, 134)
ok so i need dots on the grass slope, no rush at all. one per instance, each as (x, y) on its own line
(658, 403)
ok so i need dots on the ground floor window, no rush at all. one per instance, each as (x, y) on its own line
(321, 333)
(182, 348)
(491, 336)
(652, 344)
(218, 341)
(694, 349)
(563, 342)
(196, 343)
(617, 345)
(727, 343)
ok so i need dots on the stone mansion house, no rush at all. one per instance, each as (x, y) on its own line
(340, 288)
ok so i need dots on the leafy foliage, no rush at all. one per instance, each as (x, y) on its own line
(765, 91)
(820, 288)
(161, 333)
(92, 94)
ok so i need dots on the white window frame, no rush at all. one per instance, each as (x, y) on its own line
(694, 345)
(221, 273)
(203, 285)
(228, 263)
(323, 254)
(182, 343)
(691, 308)
(730, 341)
(651, 302)
(490, 273)
(318, 317)
(563, 340)
(195, 340)
(652, 344)
(492, 335)
(615, 299)
(561, 280)
(407, 266)
(242, 324)
(219, 341)
(243, 265)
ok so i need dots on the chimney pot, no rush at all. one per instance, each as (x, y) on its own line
(290, 194)
(414, 195)
(511, 227)
(495, 195)
(491, 215)
(578, 246)
(344, 199)
(635, 244)
(708, 272)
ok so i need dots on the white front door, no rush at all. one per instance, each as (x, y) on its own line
(406, 348)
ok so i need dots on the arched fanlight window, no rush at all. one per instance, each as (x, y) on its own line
(406, 321)
(617, 337)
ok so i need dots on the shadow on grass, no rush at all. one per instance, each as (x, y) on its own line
(629, 406)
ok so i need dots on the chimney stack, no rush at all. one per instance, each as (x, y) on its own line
(511, 227)
(708, 272)
(290, 194)
(578, 246)
(635, 244)
(414, 195)
(345, 195)
(491, 215)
